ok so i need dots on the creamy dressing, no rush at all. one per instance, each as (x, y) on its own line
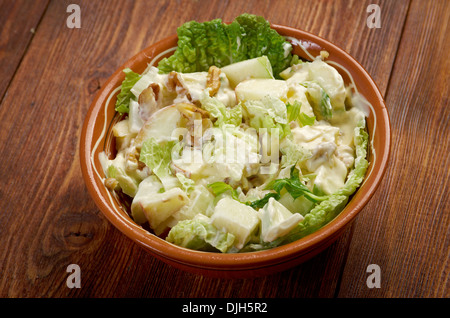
(235, 155)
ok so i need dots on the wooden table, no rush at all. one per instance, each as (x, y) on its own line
(50, 73)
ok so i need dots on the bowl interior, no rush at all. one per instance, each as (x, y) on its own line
(97, 137)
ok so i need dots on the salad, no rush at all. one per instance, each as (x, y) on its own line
(235, 144)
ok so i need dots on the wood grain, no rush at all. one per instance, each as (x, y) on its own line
(408, 219)
(19, 21)
(49, 220)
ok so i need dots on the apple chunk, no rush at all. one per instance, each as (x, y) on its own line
(160, 126)
(256, 89)
(236, 218)
(258, 67)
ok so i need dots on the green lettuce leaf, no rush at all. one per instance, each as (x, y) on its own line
(292, 153)
(293, 110)
(319, 216)
(157, 157)
(306, 120)
(258, 204)
(223, 115)
(294, 186)
(220, 187)
(320, 100)
(268, 113)
(199, 234)
(202, 44)
(186, 184)
(123, 98)
(356, 176)
(261, 39)
(267, 106)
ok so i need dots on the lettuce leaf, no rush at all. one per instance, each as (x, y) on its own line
(258, 204)
(294, 186)
(320, 100)
(220, 187)
(261, 39)
(157, 157)
(202, 44)
(293, 110)
(292, 153)
(356, 176)
(268, 113)
(123, 99)
(199, 234)
(186, 184)
(223, 115)
(267, 106)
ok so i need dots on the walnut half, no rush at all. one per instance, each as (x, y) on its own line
(213, 80)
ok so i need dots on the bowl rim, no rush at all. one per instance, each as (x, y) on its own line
(228, 261)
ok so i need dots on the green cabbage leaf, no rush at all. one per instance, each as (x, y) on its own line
(199, 234)
(123, 98)
(202, 44)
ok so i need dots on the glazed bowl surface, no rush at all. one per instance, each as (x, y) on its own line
(97, 137)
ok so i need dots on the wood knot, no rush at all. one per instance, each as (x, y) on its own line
(93, 86)
(80, 230)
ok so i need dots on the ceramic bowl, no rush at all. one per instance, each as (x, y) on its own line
(97, 137)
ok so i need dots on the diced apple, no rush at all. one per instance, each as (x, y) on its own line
(330, 80)
(331, 175)
(200, 202)
(236, 218)
(148, 186)
(255, 89)
(192, 84)
(277, 220)
(122, 134)
(121, 128)
(158, 207)
(258, 67)
(135, 121)
(160, 126)
(128, 180)
(299, 205)
(297, 92)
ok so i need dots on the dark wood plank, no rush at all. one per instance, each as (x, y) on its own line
(45, 197)
(405, 229)
(18, 20)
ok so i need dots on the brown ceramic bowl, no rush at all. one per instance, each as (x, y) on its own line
(96, 137)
